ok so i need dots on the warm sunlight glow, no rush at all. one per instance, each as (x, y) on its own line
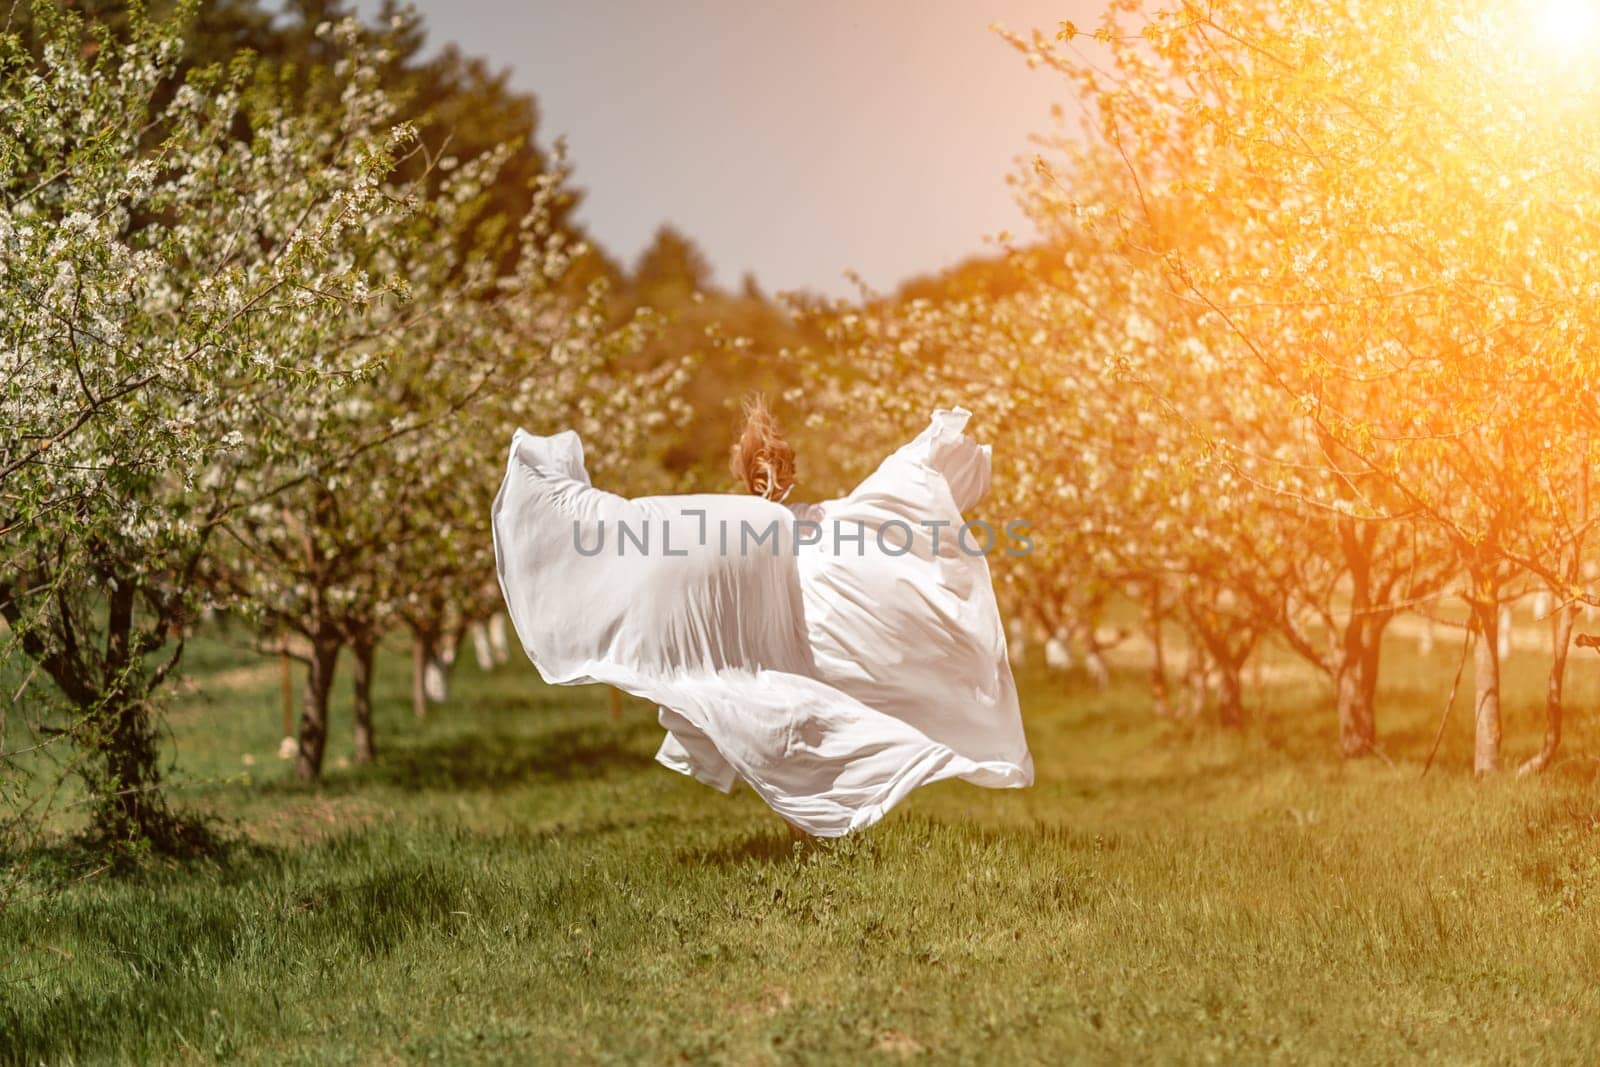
(1567, 28)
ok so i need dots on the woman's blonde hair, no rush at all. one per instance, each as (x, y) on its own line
(762, 460)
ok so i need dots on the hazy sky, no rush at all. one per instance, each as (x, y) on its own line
(795, 140)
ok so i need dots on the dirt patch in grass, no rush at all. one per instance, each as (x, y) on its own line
(313, 820)
(899, 1044)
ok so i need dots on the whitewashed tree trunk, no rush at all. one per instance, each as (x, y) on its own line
(497, 639)
(480, 646)
(1094, 661)
(1057, 653)
(1543, 604)
(1017, 643)
(435, 682)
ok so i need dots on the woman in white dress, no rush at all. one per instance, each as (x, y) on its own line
(831, 656)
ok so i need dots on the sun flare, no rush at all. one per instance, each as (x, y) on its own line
(1567, 28)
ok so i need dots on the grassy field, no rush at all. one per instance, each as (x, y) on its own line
(517, 881)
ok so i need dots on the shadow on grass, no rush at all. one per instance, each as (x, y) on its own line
(918, 832)
(502, 759)
(496, 758)
(763, 847)
(154, 951)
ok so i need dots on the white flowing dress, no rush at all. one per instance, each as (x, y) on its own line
(833, 657)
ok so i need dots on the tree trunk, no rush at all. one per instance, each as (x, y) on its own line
(361, 688)
(420, 655)
(1357, 729)
(480, 646)
(1357, 684)
(314, 709)
(1486, 676)
(1160, 693)
(1561, 637)
(497, 639)
(286, 688)
(128, 810)
(1369, 672)
(1016, 643)
(1227, 654)
(1094, 662)
(436, 681)
(1230, 694)
(1561, 624)
(116, 736)
(1194, 677)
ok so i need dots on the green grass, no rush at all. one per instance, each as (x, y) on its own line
(517, 881)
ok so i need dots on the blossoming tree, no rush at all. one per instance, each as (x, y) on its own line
(1385, 212)
(173, 249)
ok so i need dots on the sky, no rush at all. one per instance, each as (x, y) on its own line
(793, 140)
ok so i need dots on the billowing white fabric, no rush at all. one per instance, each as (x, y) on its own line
(832, 677)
